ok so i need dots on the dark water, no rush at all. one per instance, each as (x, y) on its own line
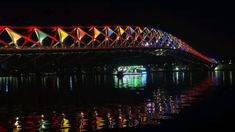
(84, 102)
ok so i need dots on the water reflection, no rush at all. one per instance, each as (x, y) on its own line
(231, 77)
(224, 78)
(151, 111)
(163, 95)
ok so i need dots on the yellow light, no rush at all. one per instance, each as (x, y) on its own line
(62, 34)
(14, 36)
(140, 30)
(121, 30)
(96, 33)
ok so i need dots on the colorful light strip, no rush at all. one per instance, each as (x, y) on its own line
(82, 37)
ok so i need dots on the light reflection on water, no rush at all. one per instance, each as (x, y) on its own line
(105, 117)
(231, 77)
(167, 94)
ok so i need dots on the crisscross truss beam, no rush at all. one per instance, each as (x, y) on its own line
(90, 37)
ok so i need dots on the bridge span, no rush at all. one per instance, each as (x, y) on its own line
(30, 43)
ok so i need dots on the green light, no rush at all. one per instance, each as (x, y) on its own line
(41, 35)
(134, 77)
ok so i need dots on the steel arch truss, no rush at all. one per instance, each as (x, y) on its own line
(91, 37)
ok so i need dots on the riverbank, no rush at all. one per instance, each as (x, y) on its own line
(223, 67)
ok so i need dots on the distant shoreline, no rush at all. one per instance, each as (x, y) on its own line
(224, 67)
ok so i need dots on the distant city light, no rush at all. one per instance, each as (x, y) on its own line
(177, 68)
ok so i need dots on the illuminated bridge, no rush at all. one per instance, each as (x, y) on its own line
(33, 47)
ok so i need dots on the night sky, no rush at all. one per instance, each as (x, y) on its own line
(208, 27)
